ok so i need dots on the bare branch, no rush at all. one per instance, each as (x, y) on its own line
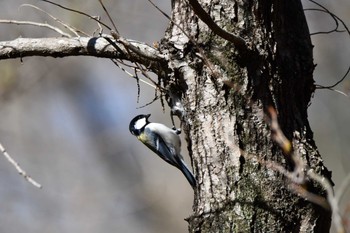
(238, 41)
(57, 47)
(35, 24)
(82, 46)
(18, 167)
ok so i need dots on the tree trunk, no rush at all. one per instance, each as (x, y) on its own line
(225, 108)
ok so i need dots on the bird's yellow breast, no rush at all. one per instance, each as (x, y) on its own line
(142, 137)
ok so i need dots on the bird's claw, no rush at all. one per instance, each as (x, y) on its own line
(177, 131)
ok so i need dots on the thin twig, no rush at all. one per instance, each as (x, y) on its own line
(149, 103)
(78, 12)
(341, 190)
(332, 89)
(138, 85)
(138, 80)
(109, 16)
(200, 50)
(297, 175)
(333, 202)
(307, 195)
(99, 29)
(333, 17)
(131, 75)
(127, 65)
(277, 134)
(8, 21)
(70, 28)
(129, 46)
(335, 84)
(238, 41)
(18, 167)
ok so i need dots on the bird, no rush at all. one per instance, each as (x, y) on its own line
(163, 141)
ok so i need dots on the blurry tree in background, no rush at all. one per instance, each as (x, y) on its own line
(66, 120)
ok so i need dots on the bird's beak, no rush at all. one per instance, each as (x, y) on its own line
(147, 116)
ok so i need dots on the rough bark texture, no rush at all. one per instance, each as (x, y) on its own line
(236, 193)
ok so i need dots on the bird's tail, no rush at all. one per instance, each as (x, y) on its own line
(188, 174)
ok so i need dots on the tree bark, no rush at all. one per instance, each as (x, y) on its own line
(224, 114)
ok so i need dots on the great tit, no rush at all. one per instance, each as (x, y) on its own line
(163, 141)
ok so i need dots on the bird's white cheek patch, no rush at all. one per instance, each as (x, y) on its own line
(140, 123)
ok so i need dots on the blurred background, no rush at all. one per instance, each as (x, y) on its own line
(66, 122)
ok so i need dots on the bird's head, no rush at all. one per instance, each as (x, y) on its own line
(138, 124)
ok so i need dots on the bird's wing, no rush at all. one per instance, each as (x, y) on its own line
(157, 144)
